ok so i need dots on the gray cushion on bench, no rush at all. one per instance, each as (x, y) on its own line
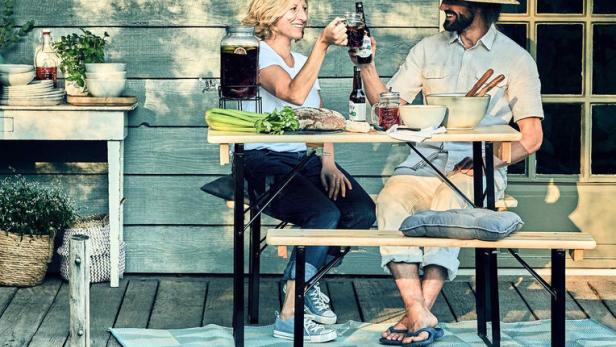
(465, 224)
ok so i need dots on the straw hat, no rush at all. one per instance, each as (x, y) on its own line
(504, 2)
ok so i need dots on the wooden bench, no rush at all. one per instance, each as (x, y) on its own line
(485, 265)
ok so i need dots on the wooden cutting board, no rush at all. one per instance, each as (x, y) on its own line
(101, 101)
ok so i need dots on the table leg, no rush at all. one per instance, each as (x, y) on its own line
(115, 156)
(558, 300)
(494, 310)
(480, 260)
(254, 265)
(238, 246)
(300, 282)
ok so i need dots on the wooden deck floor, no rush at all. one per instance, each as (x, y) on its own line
(39, 316)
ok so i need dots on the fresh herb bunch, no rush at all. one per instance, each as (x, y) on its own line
(9, 34)
(276, 122)
(30, 208)
(77, 50)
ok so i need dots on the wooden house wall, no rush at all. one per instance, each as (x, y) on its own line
(173, 227)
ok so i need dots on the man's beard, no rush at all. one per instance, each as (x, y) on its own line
(462, 22)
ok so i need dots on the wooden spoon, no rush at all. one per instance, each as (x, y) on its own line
(491, 85)
(479, 83)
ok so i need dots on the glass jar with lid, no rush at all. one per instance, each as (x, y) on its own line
(239, 63)
(386, 112)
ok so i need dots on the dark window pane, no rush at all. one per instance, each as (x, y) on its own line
(521, 8)
(516, 32)
(604, 7)
(517, 168)
(603, 139)
(560, 6)
(604, 52)
(559, 58)
(560, 151)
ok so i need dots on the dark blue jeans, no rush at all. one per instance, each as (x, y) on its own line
(304, 202)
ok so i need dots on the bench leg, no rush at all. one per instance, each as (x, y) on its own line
(255, 267)
(238, 246)
(494, 304)
(558, 300)
(480, 288)
(300, 283)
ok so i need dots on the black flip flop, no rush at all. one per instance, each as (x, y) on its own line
(392, 330)
(433, 335)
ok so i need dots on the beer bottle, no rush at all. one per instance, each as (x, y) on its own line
(364, 53)
(357, 100)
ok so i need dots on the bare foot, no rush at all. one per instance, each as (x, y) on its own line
(420, 317)
(403, 324)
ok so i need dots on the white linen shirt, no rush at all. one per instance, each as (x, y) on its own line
(441, 64)
(269, 102)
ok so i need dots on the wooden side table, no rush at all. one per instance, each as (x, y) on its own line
(80, 123)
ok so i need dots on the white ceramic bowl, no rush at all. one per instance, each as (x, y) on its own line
(17, 79)
(105, 88)
(15, 68)
(106, 75)
(105, 67)
(463, 112)
(422, 116)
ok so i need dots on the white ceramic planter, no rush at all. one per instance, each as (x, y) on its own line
(73, 89)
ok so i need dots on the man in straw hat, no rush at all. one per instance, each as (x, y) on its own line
(451, 61)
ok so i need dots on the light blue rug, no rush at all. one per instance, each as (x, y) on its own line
(536, 334)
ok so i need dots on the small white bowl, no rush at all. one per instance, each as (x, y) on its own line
(106, 75)
(15, 68)
(463, 112)
(17, 79)
(422, 116)
(105, 88)
(105, 67)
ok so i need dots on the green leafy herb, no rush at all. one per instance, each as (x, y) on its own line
(30, 208)
(77, 50)
(9, 34)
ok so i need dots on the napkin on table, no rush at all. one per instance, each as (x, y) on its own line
(414, 135)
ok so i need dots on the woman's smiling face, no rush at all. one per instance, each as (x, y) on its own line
(292, 23)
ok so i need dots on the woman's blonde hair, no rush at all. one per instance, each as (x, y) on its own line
(262, 14)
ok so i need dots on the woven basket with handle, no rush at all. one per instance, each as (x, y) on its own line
(24, 258)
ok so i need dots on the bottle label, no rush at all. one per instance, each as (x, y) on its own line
(366, 48)
(357, 111)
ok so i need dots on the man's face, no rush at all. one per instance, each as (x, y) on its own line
(459, 15)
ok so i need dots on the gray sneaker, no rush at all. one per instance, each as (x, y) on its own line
(313, 332)
(316, 306)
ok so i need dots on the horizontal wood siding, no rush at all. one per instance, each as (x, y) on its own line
(170, 225)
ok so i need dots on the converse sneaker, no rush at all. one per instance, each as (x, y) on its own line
(316, 306)
(313, 332)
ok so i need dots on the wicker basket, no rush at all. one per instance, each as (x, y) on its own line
(23, 259)
(100, 264)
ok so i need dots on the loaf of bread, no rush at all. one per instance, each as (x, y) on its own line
(319, 118)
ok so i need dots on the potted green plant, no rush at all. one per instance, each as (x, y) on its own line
(10, 33)
(31, 214)
(75, 51)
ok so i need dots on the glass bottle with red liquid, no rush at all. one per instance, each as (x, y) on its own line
(46, 59)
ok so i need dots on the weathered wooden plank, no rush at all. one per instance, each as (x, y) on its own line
(343, 300)
(54, 330)
(512, 306)
(179, 304)
(442, 311)
(591, 303)
(461, 298)
(606, 289)
(190, 52)
(210, 12)
(269, 300)
(25, 313)
(539, 300)
(6, 295)
(219, 300)
(105, 302)
(137, 304)
(379, 301)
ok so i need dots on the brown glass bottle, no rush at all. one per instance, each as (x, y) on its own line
(364, 53)
(357, 100)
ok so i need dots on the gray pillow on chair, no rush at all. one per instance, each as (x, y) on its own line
(464, 224)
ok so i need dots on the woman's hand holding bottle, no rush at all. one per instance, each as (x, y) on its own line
(334, 33)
